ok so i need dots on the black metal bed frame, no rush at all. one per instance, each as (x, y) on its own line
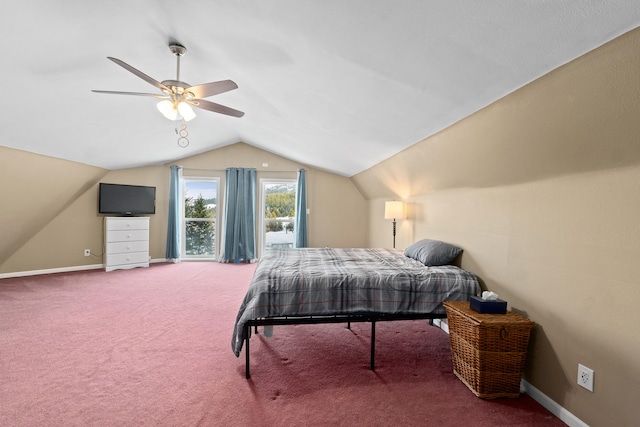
(342, 318)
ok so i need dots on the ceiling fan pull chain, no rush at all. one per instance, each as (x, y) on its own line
(183, 141)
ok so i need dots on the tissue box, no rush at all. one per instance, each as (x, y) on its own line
(489, 307)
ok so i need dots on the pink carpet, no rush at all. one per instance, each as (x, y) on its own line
(152, 347)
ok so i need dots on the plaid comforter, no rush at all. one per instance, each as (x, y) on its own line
(330, 281)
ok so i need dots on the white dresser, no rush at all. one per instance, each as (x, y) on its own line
(126, 242)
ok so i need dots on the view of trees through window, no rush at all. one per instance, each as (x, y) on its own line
(200, 212)
(279, 213)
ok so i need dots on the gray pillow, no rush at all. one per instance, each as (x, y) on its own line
(432, 252)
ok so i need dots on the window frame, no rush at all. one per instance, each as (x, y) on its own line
(262, 236)
(184, 220)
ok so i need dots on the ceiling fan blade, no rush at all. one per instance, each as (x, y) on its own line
(216, 108)
(209, 89)
(114, 92)
(139, 73)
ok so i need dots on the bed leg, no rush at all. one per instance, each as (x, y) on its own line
(247, 373)
(373, 345)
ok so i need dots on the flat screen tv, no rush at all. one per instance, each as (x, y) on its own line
(119, 199)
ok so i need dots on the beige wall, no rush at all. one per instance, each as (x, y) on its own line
(64, 234)
(53, 217)
(34, 190)
(338, 212)
(542, 190)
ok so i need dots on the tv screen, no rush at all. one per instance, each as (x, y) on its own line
(126, 199)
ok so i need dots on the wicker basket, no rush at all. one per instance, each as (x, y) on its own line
(488, 350)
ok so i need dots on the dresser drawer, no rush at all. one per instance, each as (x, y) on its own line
(126, 247)
(113, 224)
(127, 235)
(128, 258)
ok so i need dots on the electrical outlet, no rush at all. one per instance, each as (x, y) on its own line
(87, 252)
(585, 377)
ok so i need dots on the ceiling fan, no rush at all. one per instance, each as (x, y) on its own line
(177, 96)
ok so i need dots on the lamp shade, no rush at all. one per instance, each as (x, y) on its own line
(186, 111)
(168, 110)
(393, 210)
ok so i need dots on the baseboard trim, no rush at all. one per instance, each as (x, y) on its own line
(550, 405)
(65, 269)
(51, 271)
(553, 407)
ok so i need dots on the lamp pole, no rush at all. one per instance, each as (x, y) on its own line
(394, 210)
(394, 233)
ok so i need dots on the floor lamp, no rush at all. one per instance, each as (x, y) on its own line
(394, 210)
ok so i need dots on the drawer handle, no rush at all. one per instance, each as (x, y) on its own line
(128, 236)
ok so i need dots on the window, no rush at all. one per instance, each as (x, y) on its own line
(278, 213)
(200, 212)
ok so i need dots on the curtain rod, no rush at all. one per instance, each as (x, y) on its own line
(225, 170)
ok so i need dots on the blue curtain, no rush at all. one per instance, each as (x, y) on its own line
(173, 228)
(240, 216)
(300, 228)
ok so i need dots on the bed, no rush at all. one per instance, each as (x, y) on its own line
(331, 285)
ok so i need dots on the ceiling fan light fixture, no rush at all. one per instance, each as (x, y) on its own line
(168, 109)
(178, 96)
(186, 111)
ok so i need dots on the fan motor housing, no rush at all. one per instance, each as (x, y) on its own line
(177, 49)
(176, 86)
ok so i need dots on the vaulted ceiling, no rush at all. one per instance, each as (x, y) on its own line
(338, 85)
